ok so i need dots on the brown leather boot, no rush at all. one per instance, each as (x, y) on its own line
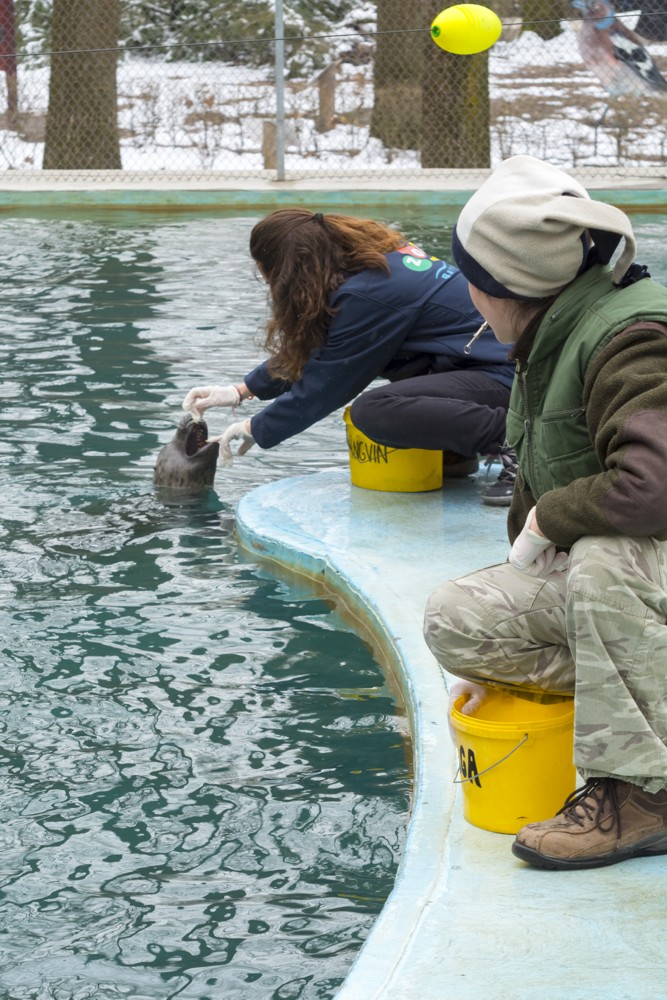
(602, 823)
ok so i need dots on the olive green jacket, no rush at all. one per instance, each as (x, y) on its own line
(588, 414)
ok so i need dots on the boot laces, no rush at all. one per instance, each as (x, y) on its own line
(596, 801)
(507, 458)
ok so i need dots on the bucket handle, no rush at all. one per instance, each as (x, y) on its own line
(462, 781)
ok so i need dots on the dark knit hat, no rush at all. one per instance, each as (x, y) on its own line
(528, 230)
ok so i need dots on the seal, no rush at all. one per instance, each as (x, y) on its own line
(187, 462)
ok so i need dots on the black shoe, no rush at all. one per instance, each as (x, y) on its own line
(499, 494)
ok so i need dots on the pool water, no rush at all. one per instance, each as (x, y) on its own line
(205, 777)
(205, 782)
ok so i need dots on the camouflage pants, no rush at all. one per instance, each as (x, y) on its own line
(597, 630)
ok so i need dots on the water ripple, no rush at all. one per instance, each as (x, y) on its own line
(204, 779)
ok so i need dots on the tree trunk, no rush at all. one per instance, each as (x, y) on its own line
(542, 16)
(455, 106)
(510, 13)
(8, 58)
(397, 74)
(81, 127)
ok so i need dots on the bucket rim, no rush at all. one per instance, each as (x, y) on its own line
(473, 726)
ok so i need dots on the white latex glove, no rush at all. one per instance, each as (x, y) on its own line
(476, 694)
(241, 430)
(204, 396)
(534, 554)
(549, 561)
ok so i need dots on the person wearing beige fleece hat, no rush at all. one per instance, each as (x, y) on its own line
(580, 607)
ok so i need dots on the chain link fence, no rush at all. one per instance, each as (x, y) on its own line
(376, 102)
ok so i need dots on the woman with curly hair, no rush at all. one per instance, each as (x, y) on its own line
(353, 300)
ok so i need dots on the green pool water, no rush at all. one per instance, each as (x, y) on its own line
(205, 778)
(204, 774)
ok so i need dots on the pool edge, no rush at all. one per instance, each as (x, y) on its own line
(265, 527)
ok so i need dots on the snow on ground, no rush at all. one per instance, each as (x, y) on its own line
(215, 116)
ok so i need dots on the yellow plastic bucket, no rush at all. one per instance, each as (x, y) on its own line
(375, 466)
(515, 760)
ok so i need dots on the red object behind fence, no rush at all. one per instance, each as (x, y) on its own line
(7, 37)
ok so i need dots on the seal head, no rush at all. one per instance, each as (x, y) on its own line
(187, 462)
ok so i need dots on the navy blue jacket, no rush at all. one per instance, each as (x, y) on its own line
(420, 308)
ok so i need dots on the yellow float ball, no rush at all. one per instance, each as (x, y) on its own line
(466, 29)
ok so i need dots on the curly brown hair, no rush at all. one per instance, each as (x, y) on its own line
(305, 256)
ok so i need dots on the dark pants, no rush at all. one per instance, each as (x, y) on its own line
(461, 411)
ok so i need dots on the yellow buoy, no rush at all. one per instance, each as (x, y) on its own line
(466, 29)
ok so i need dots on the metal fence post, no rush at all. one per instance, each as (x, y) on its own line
(280, 92)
